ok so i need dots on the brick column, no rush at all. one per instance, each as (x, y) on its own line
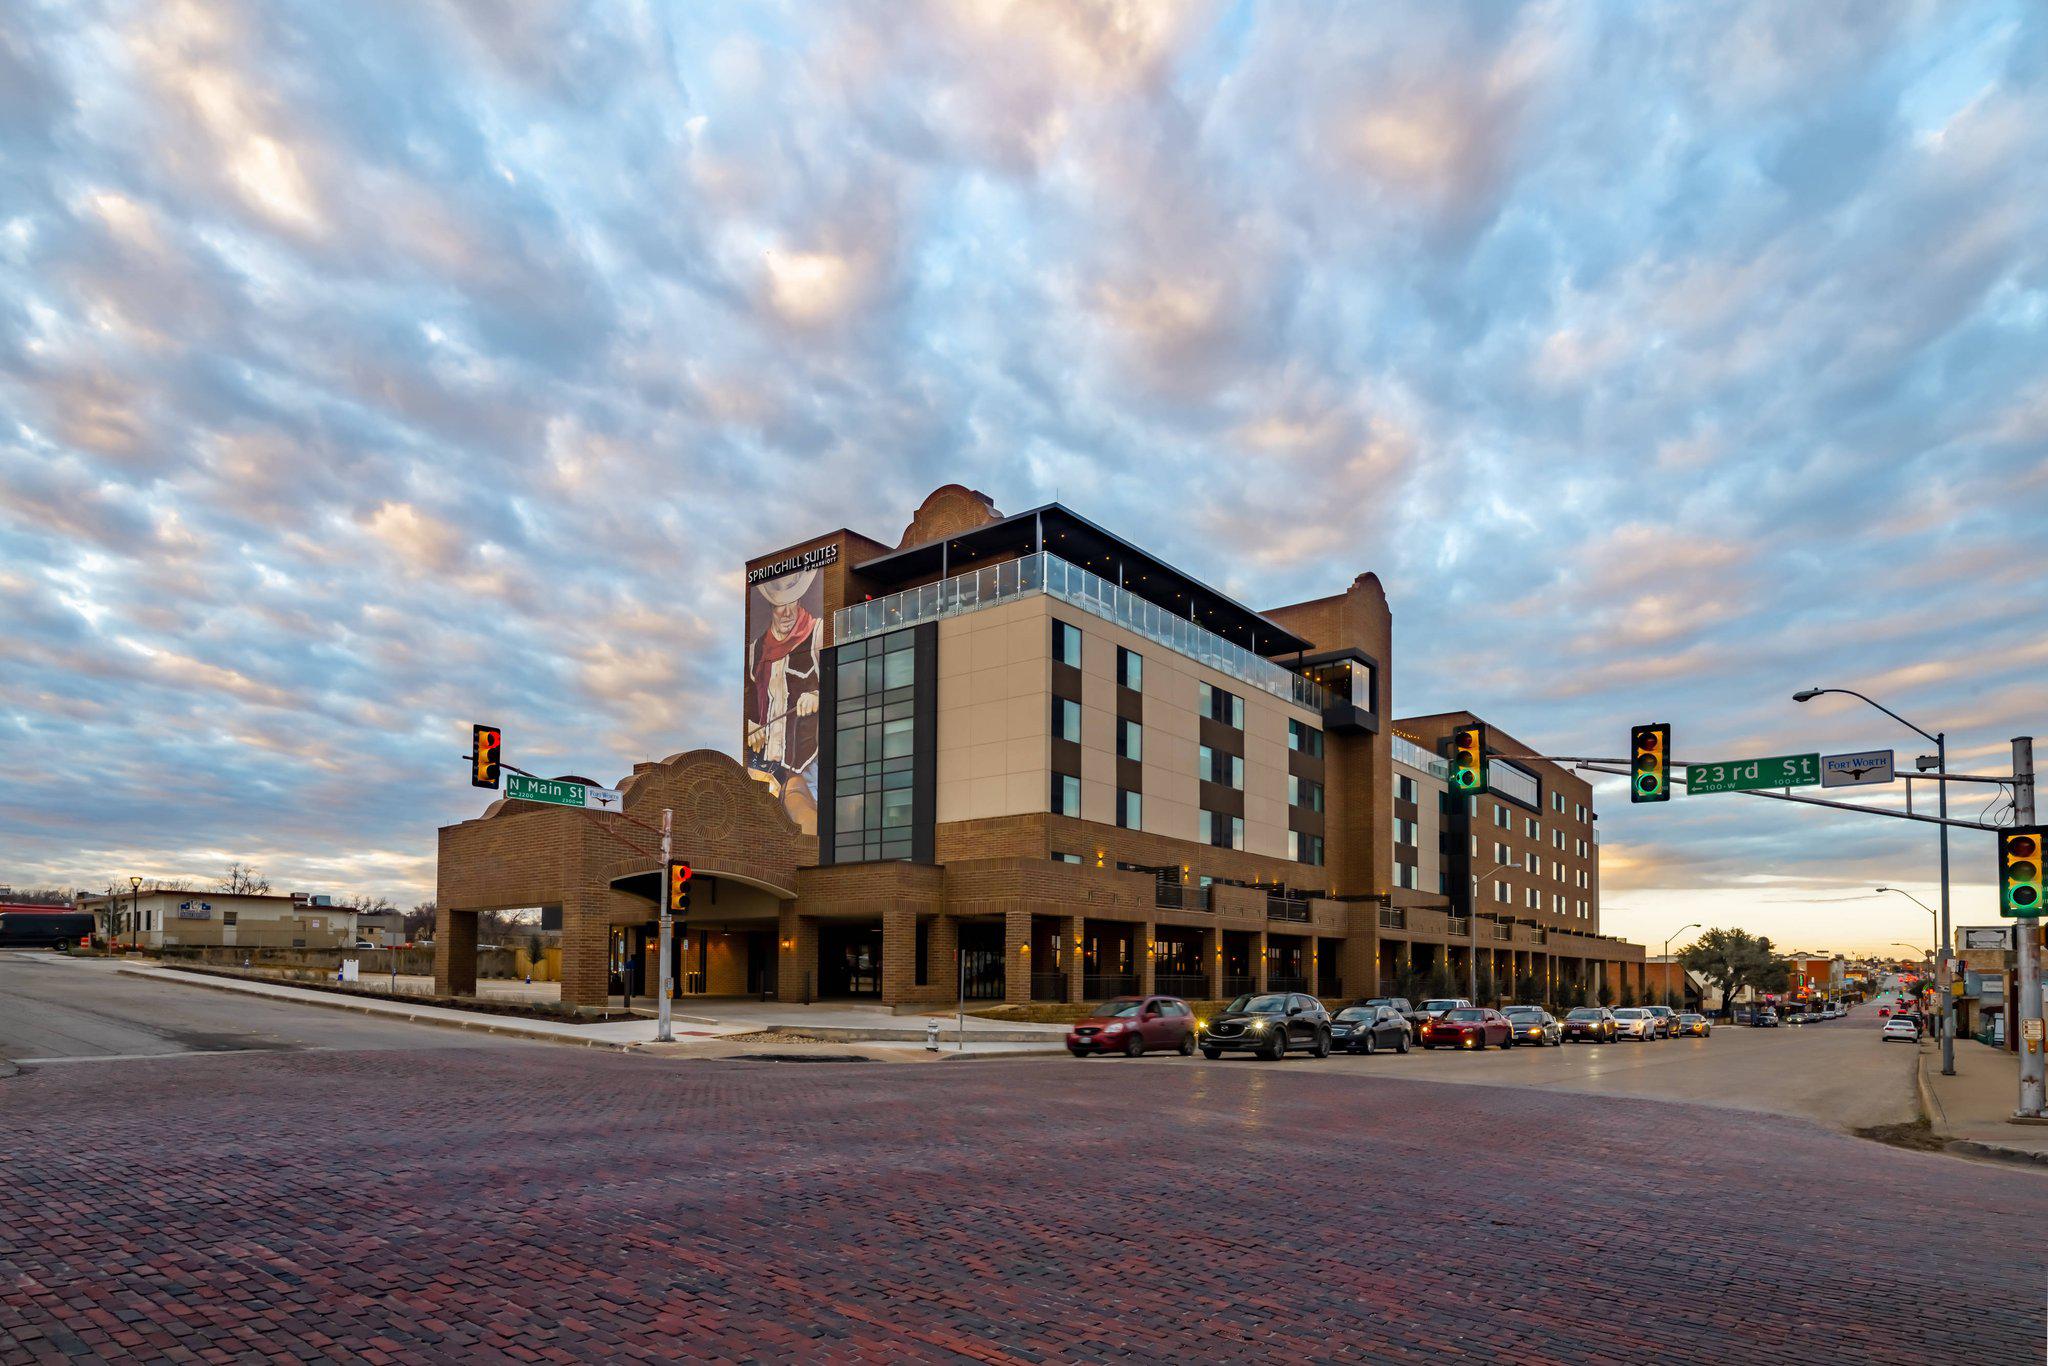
(1260, 965)
(586, 952)
(455, 952)
(943, 968)
(796, 948)
(1358, 964)
(1212, 961)
(1016, 957)
(899, 954)
(1148, 964)
(1071, 946)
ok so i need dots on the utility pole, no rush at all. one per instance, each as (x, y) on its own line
(662, 1033)
(1948, 999)
(2031, 1056)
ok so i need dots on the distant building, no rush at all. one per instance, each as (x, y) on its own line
(159, 918)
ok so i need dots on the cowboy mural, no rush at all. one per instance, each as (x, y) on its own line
(785, 633)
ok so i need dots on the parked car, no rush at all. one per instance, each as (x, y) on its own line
(1694, 1026)
(1468, 1027)
(1899, 1027)
(1633, 1022)
(1767, 1018)
(1402, 1007)
(1131, 1025)
(1429, 1010)
(1589, 1024)
(1268, 1023)
(1368, 1028)
(1534, 1025)
(1667, 1020)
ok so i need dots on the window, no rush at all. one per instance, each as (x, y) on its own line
(1557, 839)
(924, 952)
(1066, 858)
(1219, 705)
(1129, 809)
(1535, 899)
(1305, 848)
(1404, 787)
(1130, 739)
(1531, 828)
(1066, 719)
(1130, 669)
(1579, 810)
(1066, 643)
(1225, 832)
(1557, 802)
(1501, 854)
(874, 740)
(1404, 832)
(1404, 875)
(1500, 817)
(1218, 767)
(1304, 737)
(1066, 795)
(1304, 792)
(1501, 892)
(229, 917)
(1533, 864)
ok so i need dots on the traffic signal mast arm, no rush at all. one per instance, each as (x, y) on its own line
(1620, 768)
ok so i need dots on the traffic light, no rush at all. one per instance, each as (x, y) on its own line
(679, 889)
(2019, 872)
(486, 744)
(1468, 759)
(1649, 764)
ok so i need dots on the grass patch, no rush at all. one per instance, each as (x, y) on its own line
(300, 979)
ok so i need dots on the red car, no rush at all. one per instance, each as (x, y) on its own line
(1130, 1025)
(1468, 1027)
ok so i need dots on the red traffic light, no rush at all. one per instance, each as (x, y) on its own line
(679, 875)
(486, 745)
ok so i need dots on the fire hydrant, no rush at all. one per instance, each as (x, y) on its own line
(931, 1036)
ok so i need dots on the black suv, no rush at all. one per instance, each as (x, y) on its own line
(1269, 1023)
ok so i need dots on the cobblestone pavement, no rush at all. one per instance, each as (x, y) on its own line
(552, 1204)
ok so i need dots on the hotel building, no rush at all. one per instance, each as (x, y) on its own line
(1019, 758)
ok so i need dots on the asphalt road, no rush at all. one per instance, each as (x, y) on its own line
(57, 1010)
(467, 1199)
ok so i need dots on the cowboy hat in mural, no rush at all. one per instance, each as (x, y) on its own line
(785, 633)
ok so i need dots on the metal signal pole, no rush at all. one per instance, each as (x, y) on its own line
(668, 924)
(2031, 1049)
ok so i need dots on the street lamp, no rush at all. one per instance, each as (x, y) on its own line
(1667, 958)
(134, 911)
(1932, 915)
(1940, 739)
(1472, 919)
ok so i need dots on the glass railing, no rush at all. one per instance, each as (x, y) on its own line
(1415, 756)
(1048, 573)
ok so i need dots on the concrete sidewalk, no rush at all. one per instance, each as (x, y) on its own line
(732, 1031)
(1972, 1110)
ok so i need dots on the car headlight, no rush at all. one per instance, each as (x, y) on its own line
(1257, 1026)
(1201, 1024)
(1114, 1029)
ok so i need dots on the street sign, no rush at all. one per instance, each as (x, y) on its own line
(1754, 775)
(1864, 769)
(520, 788)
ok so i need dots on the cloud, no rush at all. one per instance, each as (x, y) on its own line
(363, 374)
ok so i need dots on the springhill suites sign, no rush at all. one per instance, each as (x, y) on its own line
(815, 558)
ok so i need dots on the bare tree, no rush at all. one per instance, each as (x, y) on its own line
(242, 880)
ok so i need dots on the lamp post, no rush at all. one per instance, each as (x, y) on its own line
(1947, 1023)
(134, 912)
(1933, 916)
(1667, 960)
(1472, 923)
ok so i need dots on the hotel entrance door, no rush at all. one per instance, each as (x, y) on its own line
(850, 960)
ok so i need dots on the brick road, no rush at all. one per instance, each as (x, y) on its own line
(549, 1205)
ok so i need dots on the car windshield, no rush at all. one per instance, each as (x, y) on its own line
(1355, 1013)
(1692, 1019)
(1463, 1015)
(1381, 1001)
(1627, 1014)
(1258, 1005)
(1438, 1005)
(1523, 1010)
(1584, 1013)
(1111, 1009)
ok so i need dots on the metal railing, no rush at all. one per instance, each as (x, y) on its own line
(1103, 984)
(1192, 985)
(1047, 573)
(1286, 908)
(1238, 986)
(1176, 896)
(1277, 982)
(1407, 752)
(1393, 918)
(1048, 986)
(1501, 931)
(1458, 925)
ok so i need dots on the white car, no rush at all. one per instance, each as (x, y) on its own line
(1899, 1028)
(1632, 1023)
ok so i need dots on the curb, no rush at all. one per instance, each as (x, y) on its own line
(8, 1069)
(1930, 1107)
(848, 1034)
(323, 1001)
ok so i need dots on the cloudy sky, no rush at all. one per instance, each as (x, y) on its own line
(368, 369)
